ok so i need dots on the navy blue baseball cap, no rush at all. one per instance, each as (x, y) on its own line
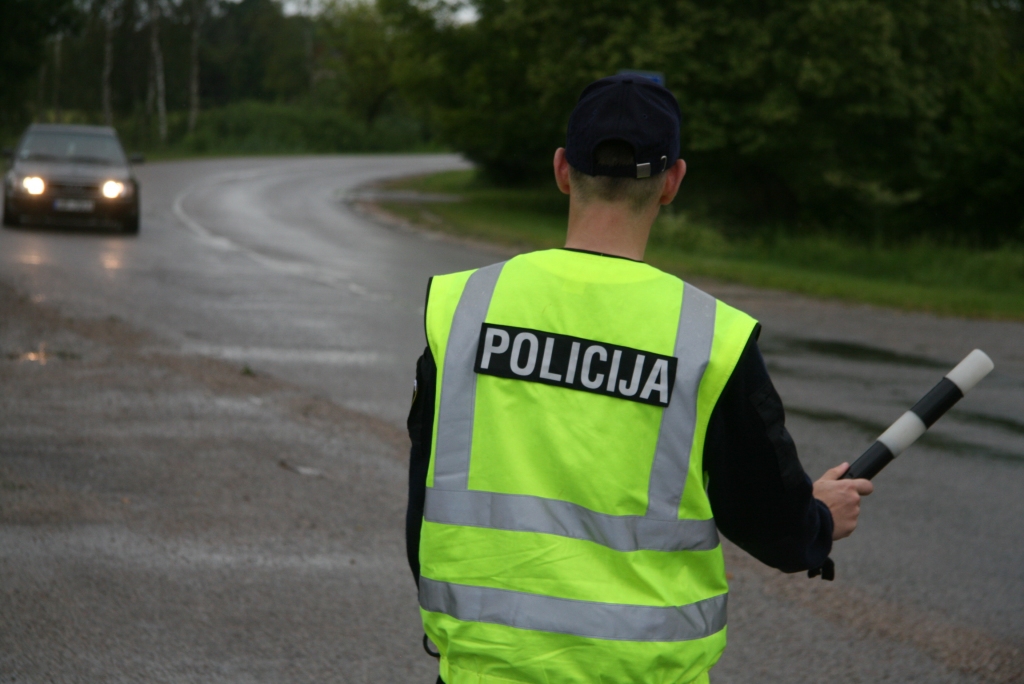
(630, 108)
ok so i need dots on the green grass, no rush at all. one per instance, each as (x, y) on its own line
(519, 217)
(921, 276)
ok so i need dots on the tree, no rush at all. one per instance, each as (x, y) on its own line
(807, 112)
(359, 54)
(159, 87)
(108, 12)
(198, 15)
(254, 52)
(24, 28)
(982, 186)
(58, 62)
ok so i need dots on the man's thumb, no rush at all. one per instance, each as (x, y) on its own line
(835, 473)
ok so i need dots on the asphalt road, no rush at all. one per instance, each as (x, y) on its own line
(148, 530)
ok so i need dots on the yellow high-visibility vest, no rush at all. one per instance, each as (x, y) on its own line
(567, 533)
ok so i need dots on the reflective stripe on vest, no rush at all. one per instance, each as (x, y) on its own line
(458, 388)
(450, 501)
(580, 618)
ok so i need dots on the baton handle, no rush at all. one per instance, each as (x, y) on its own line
(912, 424)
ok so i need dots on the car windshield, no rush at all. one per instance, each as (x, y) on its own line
(71, 147)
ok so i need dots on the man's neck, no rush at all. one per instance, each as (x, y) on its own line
(608, 228)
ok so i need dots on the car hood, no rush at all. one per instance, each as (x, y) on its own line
(68, 171)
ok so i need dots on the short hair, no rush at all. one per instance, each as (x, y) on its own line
(638, 192)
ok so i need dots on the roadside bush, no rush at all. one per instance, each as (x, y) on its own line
(257, 127)
(269, 128)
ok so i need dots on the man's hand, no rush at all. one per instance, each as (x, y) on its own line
(842, 498)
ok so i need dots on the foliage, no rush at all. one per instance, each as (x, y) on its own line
(24, 27)
(329, 73)
(877, 119)
(253, 51)
(357, 58)
(257, 127)
(268, 82)
(875, 116)
(476, 81)
(254, 127)
(982, 181)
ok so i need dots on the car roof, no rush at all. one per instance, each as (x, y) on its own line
(72, 128)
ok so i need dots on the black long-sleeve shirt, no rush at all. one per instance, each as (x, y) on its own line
(760, 496)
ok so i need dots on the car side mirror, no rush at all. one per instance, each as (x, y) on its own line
(137, 158)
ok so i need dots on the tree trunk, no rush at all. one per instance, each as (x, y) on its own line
(150, 92)
(56, 76)
(108, 60)
(158, 68)
(310, 66)
(41, 94)
(198, 10)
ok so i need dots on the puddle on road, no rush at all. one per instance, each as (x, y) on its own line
(997, 421)
(330, 357)
(850, 351)
(1006, 430)
(38, 356)
(861, 424)
(777, 369)
(41, 355)
(302, 470)
(930, 439)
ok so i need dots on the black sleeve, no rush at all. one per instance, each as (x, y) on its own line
(760, 495)
(421, 427)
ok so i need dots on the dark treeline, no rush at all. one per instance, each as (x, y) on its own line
(210, 75)
(886, 119)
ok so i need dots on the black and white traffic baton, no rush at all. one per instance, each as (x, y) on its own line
(922, 416)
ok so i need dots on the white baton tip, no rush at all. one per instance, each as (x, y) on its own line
(971, 370)
(902, 433)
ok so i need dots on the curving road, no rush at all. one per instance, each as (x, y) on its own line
(257, 260)
(260, 263)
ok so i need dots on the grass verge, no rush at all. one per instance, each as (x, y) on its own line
(921, 276)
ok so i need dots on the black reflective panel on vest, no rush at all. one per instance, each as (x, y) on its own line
(575, 363)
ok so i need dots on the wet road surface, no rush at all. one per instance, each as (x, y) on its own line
(258, 265)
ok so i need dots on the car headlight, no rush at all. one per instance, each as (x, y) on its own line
(113, 189)
(33, 185)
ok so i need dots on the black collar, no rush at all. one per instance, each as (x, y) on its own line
(610, 256)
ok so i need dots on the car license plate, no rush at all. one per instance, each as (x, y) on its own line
(80, 205)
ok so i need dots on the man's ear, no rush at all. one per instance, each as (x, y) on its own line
(673, 177)
(561, 170)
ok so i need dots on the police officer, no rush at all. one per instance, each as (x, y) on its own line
(583, 426)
